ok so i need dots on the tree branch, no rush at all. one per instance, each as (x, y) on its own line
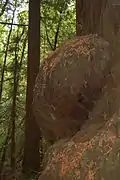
(13, 24)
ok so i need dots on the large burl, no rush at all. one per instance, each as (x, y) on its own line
(68, 84)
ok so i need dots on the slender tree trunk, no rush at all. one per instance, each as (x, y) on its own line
(31, 161)
(6, 52)
(11, 127)
(4, 150)
(54, 46)
(14, 104)
(57, 32)
(88, 14)
(13, 118)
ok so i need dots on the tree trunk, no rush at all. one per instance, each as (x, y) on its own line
(6, 53)
(88, 14)
(31, 161)
(14, 104)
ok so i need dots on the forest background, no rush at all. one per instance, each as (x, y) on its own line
(57, 23)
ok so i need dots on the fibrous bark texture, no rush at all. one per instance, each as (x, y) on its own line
(69, 82)
(93, 153)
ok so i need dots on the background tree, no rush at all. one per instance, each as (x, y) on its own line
(13, 71)
(31, 160)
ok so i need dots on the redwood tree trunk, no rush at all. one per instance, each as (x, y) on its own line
(88, 14)
(31, 161)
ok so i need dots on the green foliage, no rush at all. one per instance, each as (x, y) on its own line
(57, 25)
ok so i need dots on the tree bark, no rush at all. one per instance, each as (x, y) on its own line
(88, 14)
(31, 161)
